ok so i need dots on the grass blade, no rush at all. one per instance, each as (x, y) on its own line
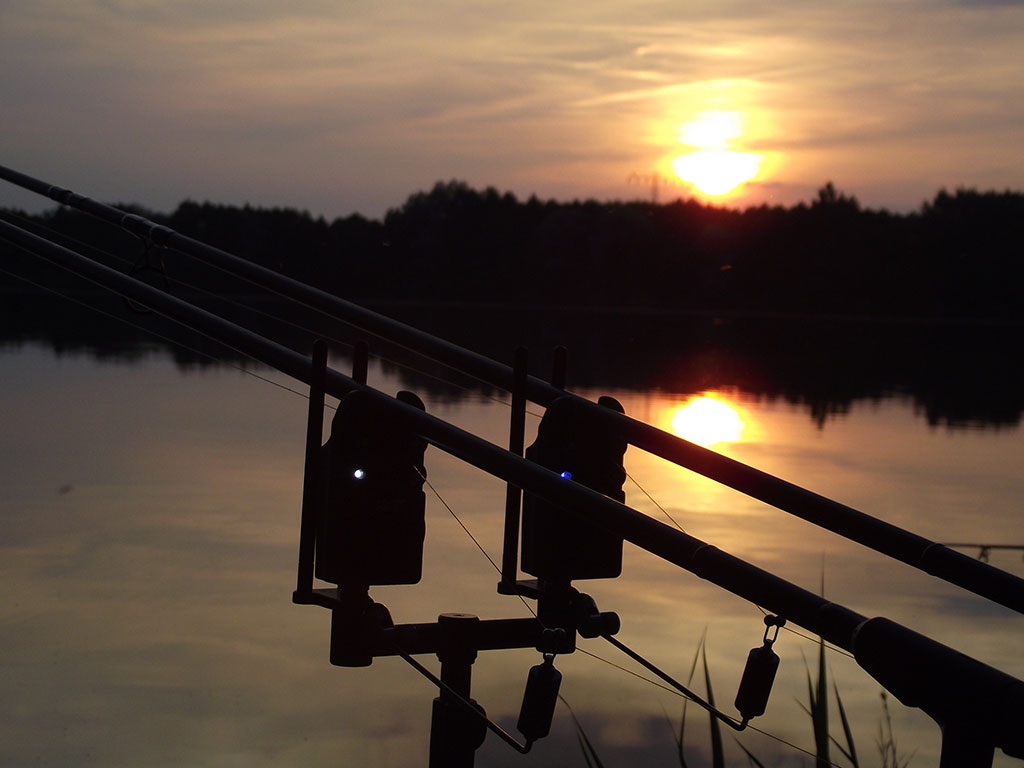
(717, 750)
(817, 700)
(584, 747)
(589, 753)
(819, 711)
(696, 656)
(682, 719)
(852, 754)
(679, 741)
(750, 755)
(887, 740)
(671, 726)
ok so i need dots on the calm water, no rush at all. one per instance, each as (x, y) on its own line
(149, 525)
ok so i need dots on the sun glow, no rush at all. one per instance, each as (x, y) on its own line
(711, 130)
(716, 171)
(707, 420)
(713, 168)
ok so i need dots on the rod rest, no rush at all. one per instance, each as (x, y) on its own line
(955, 690)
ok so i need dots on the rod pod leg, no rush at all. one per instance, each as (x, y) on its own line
(455, 734)
(964, 747)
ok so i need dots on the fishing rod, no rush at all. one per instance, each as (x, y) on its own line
(888, 539)
(977, 706)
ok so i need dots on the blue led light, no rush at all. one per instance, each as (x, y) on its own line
(567, 475)
(359, 474)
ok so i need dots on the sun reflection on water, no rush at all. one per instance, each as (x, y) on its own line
(143, 570)
(708, 420)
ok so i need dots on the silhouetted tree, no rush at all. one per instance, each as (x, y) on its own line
(959, 256)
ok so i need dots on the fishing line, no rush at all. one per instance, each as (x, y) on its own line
(786, 627)
(606, 661)
(271, 289)
(808, 638)
(405, 656)
(209, 356)
(57, 235)
(492, 726)
(427, 482)
(694, 698)
(107, 257)
(791, 745)
(619, 667)
(588, 653)
(475, 541)
(158, 335)
(680, 695)
(459, 521)
(655, 502)
(528, 606)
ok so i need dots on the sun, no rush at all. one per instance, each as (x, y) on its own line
(713, 168)
(717, 172)
(711, 130)
(706, 420)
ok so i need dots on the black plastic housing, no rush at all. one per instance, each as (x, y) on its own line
(573, 443)
(372, 528)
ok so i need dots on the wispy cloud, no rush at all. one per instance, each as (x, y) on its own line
(372, 100)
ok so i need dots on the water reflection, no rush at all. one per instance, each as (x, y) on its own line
(707, 419)
(955, 376)
(148, 616)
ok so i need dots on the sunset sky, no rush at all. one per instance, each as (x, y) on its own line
(341, 107)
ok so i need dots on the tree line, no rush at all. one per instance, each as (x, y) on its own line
(957, 256)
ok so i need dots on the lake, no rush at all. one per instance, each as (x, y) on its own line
(149, 529)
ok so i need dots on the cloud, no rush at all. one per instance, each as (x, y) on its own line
(322, 105)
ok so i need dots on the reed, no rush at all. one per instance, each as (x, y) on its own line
(589, 753)
(817, 708)
(679, 735)
(887, 740)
